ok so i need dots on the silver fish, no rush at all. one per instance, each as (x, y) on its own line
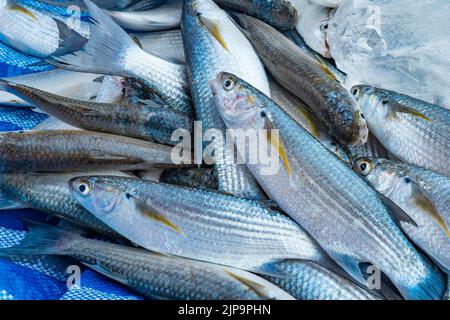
(151, 274)
(310, 281)
(197, 224)
(309, 80)
(167, 45)
(423, 194)
(66, 150)
(111, 90)
(372, 148)
(190, 177)
(214, 43)
(412, 130)
(165, 17)
(75, 85)
(337, 208)
(110, 50)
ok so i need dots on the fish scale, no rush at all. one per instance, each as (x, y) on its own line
(206, 57)
(340, 211)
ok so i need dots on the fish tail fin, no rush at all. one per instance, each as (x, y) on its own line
(431, 287)
(42, 239)
(69, 40)
(104, 52)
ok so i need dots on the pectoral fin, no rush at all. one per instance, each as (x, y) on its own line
(424, 202)
(397, 213)
(397, 108)
(278, 145)
(214, 29)
(327, 71)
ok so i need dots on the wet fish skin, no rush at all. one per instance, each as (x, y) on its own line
(205, 56)
(301, 114)
(164, 17)
(412, 130)
(310, 281)
(167, 45)
(279, 13)
(372, 148)
(196, 223)
(344, 215)
(110, 50)
(68, 150)
(405, 184)
(151, 274)
(310, 81)
(190, 177)
(142, 121)
(50, 193)
(146, 5)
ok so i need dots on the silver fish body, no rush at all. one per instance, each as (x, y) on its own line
(213, 43)
(142, 121)
(167, 45)
(67, 150)
(337, 208)
(164, 17)
(309, 80)
(190, 177)
(50, 193)
(310, 281)
(151, 274)
(372, 148)
(194, 223)
(412, 130)
(423, 194)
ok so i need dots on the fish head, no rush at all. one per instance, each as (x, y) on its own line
(313, 26)
(101, 195)
(373, 103)
(381, 174)
(236, 103)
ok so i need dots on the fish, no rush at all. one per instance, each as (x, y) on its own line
(50, 193)
(35, 33)
(214, 43)
(153, 275)
(328, 3)
(422, 194)
(167, 45)
(372, 148)
(312, 25)
(330, 201)
(309, 80)
(278, 13)
(143, 121)
(112, 90)
(301, 114)
(307, 280)
(146, 5)
(75, 85)
(412, 130)
(203, 177)
(105, 4)
(197, 224)
(66, 150)
(111, 51)
(164, 17)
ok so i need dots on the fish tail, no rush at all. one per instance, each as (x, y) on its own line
(42, 239)
(69, 40)
(104, 52)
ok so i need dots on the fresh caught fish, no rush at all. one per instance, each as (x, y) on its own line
(312, 25)
(214, 43)
(197, 224)
(165, 17)
(66, 150)
(190, 177)
(144, 121)
(110, 50)
(309, 80)
(75, 85)
(309, 281)
(278, 13)
(423, 194)
(50, 193)
(301, 114)
(372, 148)
(151, 274)
(35, 33)
(412, 130)
(167, 45)
(337, 208)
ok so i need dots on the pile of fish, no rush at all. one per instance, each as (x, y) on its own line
(358, 208)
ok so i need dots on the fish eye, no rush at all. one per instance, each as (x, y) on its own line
(355, 92)
(84, 188)
(324, 26)
(364, 166)
(228, 84)
(360, 114)
(263, 114)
